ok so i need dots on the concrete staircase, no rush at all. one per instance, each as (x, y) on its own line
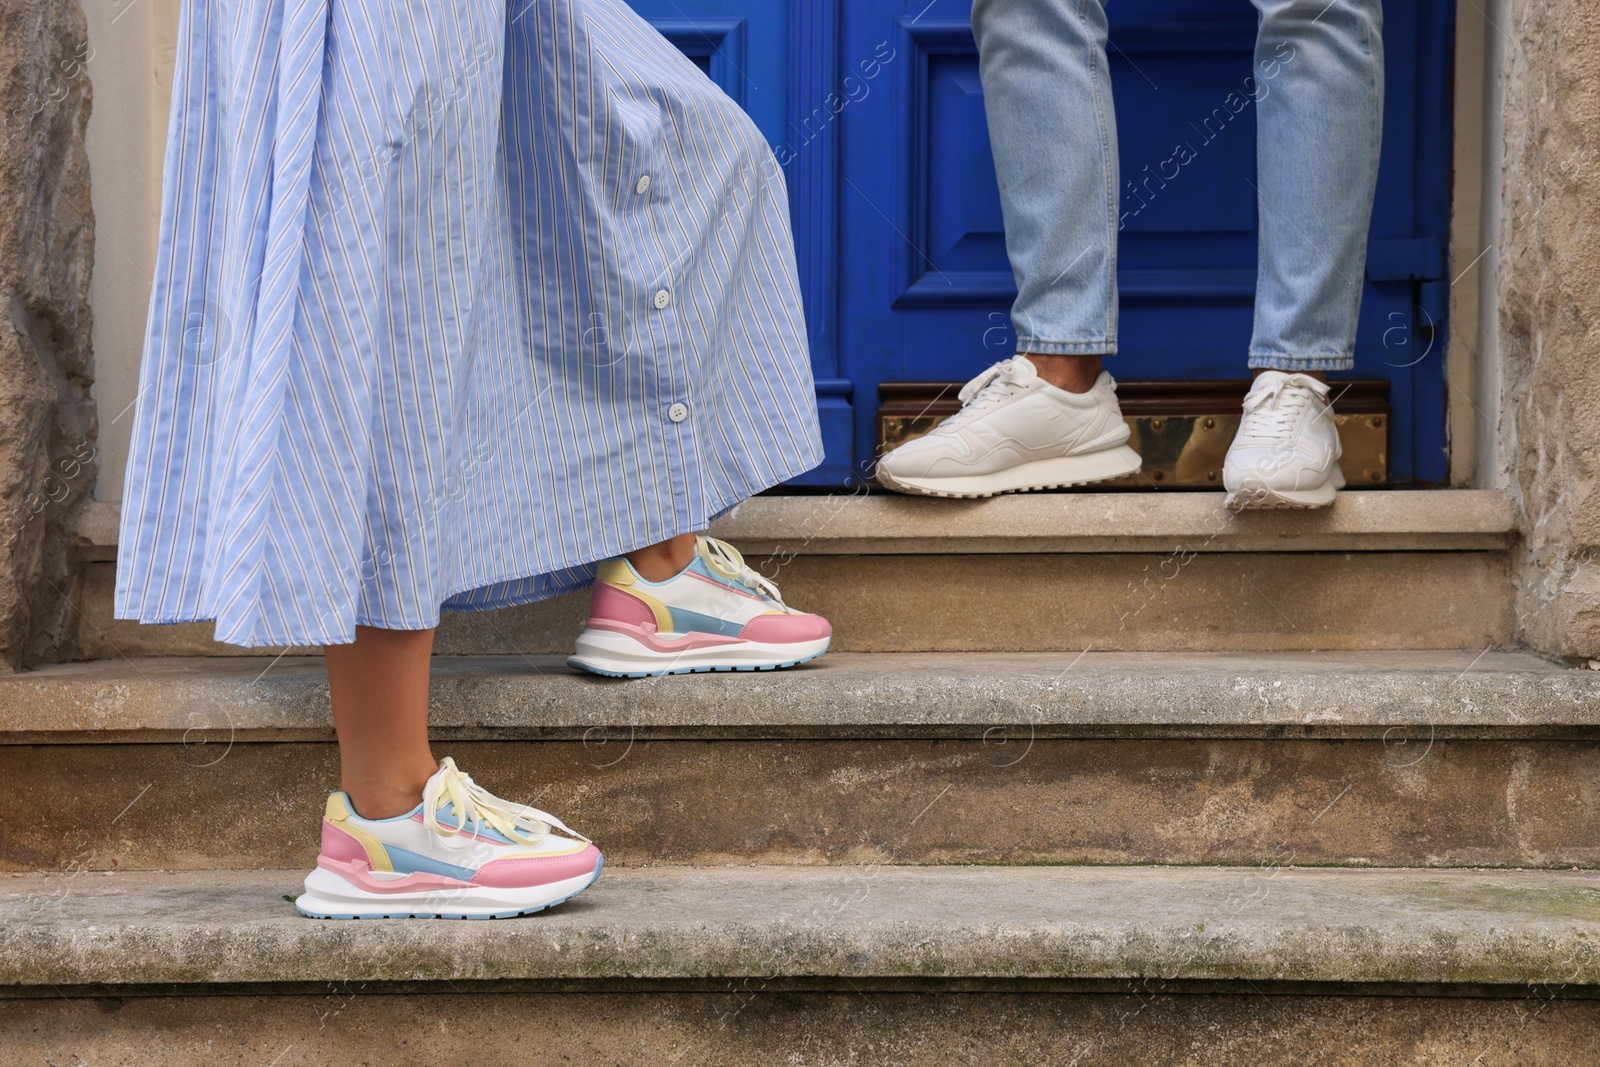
(1287, 801)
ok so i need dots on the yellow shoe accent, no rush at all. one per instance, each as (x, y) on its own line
(578, 846)
(339, 814)
(616, 572)
(619, 573)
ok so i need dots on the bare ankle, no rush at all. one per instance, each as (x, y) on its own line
(1075, 374)
(383, 805)
(385, 799)
(664, 560)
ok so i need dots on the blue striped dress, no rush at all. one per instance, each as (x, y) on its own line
(453, 299)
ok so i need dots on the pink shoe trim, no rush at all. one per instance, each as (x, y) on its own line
(655, 643)
(786, 629)
(338, 845)
(359, 874)
(619, 605)
(536, 870)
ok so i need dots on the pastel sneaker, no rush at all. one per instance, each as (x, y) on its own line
(714, 615)
(1286, 453)
(1016, 431)
(463, 853)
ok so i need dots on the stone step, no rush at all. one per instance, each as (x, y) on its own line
(875, 922)
(1087, 522)
(1088, 693)
(1366, 759)
(1039, 572)
(881, 964)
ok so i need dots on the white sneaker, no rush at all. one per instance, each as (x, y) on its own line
(1286, 453)
(1016, 431)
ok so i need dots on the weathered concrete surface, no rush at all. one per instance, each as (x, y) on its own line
(1271, 924)
(1331, 694)
(1038, 602)
(736, 1026)
(47, 421)
(1001, 799)
(1463, 758)
(889, 524)
(1550, 314)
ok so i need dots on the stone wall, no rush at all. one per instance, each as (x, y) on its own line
(47, 446)
(1549, 304)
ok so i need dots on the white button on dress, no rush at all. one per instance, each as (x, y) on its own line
(642, 186)
(678, 412)
(663, 298)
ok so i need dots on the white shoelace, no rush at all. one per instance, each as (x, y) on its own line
(725, 560)
(995, 384)
(476, 805)
(1272, 412)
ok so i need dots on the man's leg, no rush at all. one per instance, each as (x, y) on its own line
(1047, 95)
(1319, 122)
(1049, 417)
(1319, 111)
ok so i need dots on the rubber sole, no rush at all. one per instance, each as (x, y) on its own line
(321, 900)
(1060, 473)
(616, 655)
(1265, 498)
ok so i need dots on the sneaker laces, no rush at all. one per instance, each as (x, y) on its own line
(997, 383)
(726, 561)
(1273, 411)
(476, 805)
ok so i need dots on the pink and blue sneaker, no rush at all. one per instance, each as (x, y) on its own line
(463, 853)
(714, 615)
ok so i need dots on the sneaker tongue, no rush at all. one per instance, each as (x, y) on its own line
(1014, 371)
(1020, 369)
(1277, 381)
(1307, 382)
(1273, 407)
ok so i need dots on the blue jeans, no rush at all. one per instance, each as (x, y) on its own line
(1317, 88)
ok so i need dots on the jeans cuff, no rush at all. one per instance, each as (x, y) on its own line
(1035, 347)
(1279, 361)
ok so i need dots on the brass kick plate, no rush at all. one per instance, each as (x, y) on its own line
(1178, 448)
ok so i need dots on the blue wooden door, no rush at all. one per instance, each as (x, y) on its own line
(876, 111)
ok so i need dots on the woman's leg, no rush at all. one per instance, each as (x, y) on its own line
(665, 559)
(373, 865)
(379, 685)
(380, 700)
